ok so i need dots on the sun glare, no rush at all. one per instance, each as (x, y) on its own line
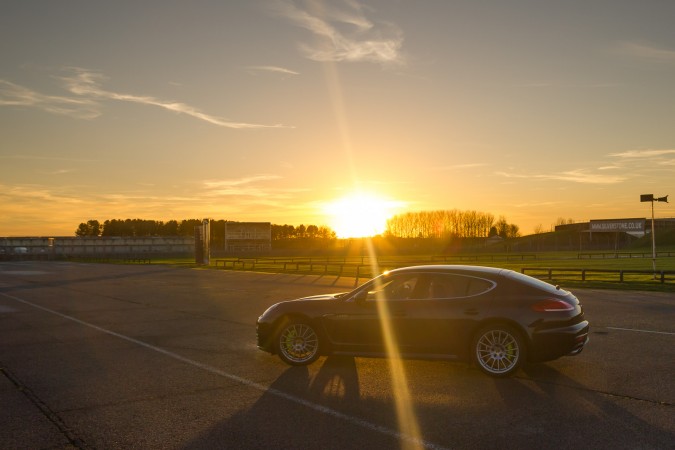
(360, 215)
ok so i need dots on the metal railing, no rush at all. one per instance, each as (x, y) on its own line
(548, 273)
(363, 269)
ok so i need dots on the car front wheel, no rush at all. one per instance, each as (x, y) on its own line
(298, 343)
(498, 350)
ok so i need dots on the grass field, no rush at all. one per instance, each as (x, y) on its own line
(625, 269)
(601, 270)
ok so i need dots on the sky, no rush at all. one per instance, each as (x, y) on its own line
(279, 110)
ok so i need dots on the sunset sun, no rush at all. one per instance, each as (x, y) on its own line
(360, 215)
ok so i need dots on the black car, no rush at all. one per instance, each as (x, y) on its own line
(495, 317)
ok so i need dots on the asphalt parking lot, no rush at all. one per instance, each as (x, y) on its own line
(114, 356)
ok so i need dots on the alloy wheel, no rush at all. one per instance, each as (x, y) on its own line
(298, 344)
(498, 351)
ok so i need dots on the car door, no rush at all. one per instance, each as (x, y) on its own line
(372, 316)
(439, 319)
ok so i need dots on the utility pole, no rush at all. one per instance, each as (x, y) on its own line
(652, 199)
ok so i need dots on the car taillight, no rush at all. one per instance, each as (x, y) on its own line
(552, 305)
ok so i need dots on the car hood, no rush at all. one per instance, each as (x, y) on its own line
(319, 297)
(279, 308)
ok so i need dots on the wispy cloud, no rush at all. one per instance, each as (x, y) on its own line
(626, 165)
(86, 86)
(59, 209)
(530, 205)
(567, 85)
(14, 95)
(245, 186)
(459, 166)
(642, 154)
(270, 69)
(648, 160)
(252, 193)
(29, 194)
(45, 158)
(211, 184)
(575, 176)
(649, 52)
(345, 33)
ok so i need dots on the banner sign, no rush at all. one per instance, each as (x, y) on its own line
(626, 225)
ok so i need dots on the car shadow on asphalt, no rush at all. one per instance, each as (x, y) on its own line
(298, 409)
(549, 397)
(540, 407)
(314, 280)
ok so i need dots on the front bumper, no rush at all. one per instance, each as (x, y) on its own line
(264, 337)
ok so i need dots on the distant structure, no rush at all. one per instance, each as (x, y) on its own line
(633, 227)
(93, 247)
(248, 237)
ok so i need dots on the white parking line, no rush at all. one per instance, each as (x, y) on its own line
(266, 389)
(640, 331)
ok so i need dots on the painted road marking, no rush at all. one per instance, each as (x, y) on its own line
(246, 382)
(640, 331)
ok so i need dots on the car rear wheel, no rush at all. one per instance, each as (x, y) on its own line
(498, 350)
(298, 343)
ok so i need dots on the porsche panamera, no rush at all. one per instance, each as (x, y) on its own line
(496, 318)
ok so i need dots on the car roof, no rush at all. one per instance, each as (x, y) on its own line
(452, 268)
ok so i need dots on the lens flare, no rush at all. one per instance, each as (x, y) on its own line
(405, 412)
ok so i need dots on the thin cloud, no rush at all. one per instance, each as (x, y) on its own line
(460, 166)
(61, 171)
(574, 176)
(242, 187)
(649, 52)
(250, 192)
(12, 94)
(535, 204)
(46, 158)
(271, 69)
(88, 95)
(87, 84)
(566, 85)
(632, 163)
(28, 194)
(214, 184)
(643, 154)
(346, 34)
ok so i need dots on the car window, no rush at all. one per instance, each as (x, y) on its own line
(402, 287)
(534, 282)
(454, 286)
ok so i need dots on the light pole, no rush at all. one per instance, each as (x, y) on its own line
(650, 198)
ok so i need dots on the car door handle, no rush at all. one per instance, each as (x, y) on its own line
(471, 311)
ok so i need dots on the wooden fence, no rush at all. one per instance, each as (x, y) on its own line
(364, 269)
(583, 274)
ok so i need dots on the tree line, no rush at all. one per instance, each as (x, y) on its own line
(302, 231)
(137, 228)
(448, 224)
(186, 227)
(422, 224)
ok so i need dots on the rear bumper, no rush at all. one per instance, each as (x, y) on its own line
(556, 342)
